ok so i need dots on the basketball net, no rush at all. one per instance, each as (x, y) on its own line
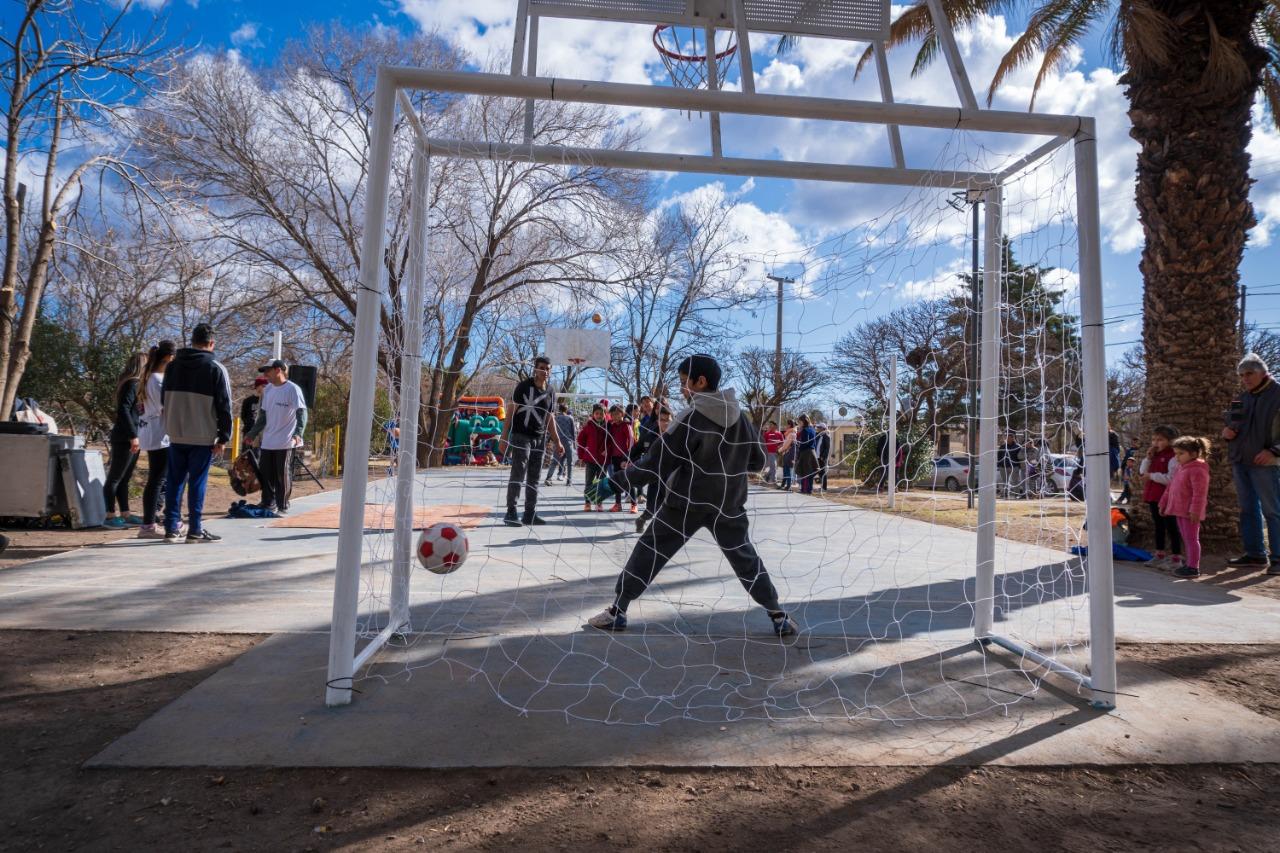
(684, 53)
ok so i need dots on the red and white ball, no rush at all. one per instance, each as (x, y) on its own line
(442, 548)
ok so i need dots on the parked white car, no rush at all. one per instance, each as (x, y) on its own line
(951, 472)
(1064, 465)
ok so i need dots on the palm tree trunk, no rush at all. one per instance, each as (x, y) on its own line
(1193, 202)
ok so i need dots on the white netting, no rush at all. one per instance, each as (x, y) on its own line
(884, 600)
(684, 50)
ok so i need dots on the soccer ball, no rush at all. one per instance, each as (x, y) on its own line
(442, 548)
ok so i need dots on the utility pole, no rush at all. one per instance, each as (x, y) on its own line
(780, 280)
(1244, 294)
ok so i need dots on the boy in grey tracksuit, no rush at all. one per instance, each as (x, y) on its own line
(704, 460)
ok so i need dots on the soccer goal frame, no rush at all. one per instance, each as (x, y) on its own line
(345, 659)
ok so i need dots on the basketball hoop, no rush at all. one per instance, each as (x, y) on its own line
(576, 361)
(684, 53)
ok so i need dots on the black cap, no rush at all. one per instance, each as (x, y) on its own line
(275, 362)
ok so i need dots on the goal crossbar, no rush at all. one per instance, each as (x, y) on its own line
(344, 660)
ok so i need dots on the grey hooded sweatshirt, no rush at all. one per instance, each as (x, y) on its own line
(704, 457)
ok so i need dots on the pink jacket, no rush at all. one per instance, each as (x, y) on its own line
(1188, 495)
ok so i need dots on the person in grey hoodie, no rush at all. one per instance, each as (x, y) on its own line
(703, 459)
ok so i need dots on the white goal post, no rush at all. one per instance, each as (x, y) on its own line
(345, 659)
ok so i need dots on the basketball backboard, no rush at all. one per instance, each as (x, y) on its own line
(855, 20)
(578, 347)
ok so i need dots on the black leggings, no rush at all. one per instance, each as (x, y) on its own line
(157, 467)
(1165, 525)
(115, 491)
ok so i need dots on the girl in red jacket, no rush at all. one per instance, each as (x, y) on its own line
(593, 444)
(1157, 471)
(1187, 498)
(621, 437)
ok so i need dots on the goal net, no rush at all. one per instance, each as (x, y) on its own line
(926, 546)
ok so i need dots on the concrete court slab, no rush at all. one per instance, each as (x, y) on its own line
(446, 708)
(846, 571)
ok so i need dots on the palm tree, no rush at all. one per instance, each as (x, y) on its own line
(1192, 72)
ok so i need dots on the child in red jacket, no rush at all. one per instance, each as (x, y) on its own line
(593, 444)
(1157, 471)
(772, 438)
(1187, 498)
(621, 437)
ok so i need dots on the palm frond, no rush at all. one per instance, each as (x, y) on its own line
(1143, 36)
(1073, 28)
(1225, 69)
(914, 23)
(1039, 32)
(1267, 36)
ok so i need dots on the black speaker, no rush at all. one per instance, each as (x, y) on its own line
(305, 378)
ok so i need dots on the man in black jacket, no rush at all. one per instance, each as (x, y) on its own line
(197, 418)
(704, 460)
(1253, 448)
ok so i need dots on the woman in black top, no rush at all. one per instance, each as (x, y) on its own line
(124, 444)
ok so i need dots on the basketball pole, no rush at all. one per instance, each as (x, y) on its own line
(410, 388)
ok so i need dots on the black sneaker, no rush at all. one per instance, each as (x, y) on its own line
(534, 520)
(510, 519)
(1274, 568)
(203, 536)
(640, 522)
(783, 625)
(1248, 560)
(4, 542)
(1186, 572)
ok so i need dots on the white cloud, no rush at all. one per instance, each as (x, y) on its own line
(1265, 169)
(245, 35)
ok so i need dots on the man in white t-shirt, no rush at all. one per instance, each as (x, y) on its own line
(277, 431)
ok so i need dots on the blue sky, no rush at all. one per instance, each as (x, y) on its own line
(783, 216)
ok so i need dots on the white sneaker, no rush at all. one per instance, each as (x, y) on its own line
(606, 620)
(150, 531)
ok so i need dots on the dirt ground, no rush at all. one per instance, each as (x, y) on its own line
(31, 544)
(67, 695)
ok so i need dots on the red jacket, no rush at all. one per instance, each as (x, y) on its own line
(592, 443)
(621, 437)
(1159, 465)
(1188, 495)
(772, 440)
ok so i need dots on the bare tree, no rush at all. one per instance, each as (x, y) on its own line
(765, 399)
(69, 72)
(679, 277)
(526, 227)
(1126, 388)
(274, 163)
(928, 343)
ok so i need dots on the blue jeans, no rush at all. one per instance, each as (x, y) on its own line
(187, 462)
(1258, 491)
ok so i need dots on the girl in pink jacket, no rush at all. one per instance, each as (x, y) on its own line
(1187, 497)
